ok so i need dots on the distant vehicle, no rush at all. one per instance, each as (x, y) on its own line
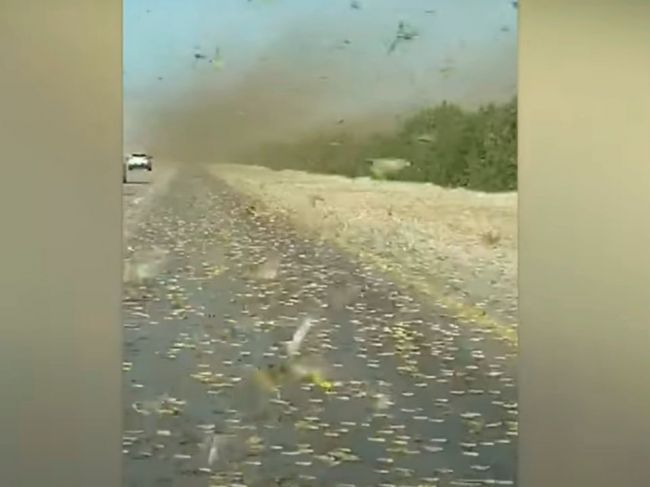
(139, 160)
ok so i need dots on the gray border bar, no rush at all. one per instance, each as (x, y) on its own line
(60, 277)
(584, 74)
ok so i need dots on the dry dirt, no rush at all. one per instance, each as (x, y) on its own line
(459, 247)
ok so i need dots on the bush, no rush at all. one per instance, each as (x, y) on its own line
(446, 145)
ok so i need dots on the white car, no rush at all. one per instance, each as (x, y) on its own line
(139, 160)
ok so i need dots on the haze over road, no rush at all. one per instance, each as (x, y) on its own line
(208, 81)
(385, 390)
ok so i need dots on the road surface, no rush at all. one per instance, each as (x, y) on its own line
(139, 176)
(384, 391)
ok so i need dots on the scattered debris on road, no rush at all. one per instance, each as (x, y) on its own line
(246, 380)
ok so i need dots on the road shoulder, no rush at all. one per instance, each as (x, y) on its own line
(456, 247)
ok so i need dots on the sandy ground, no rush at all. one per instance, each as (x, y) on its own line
(456, 246)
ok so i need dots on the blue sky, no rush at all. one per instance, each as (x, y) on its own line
(309, 40)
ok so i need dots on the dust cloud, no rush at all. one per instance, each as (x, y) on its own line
(309, 81)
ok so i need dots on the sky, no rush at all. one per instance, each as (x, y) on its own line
(282, 66)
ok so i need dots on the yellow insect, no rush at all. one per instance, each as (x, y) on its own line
(266, 380)
(320, 381)
(272, 377)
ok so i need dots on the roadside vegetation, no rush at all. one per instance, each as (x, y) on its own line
(446, 145)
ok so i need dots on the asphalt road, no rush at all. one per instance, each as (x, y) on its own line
(384, 390)
(139, 176)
